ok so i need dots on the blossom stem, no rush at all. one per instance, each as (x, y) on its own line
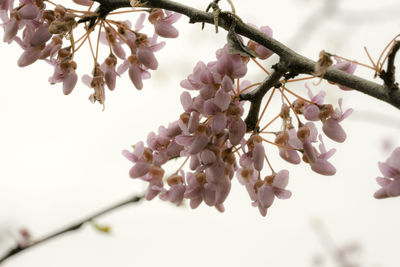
(258, 64)
(358, 63)
(290, 105)
(381, 55)
(278, 145)
(182, 165)
(375, 67)
(269, 163)
(269, 123)
(296, 95)
(98, 40)
(265, 107)
(248, 87)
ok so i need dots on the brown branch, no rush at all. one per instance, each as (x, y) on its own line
(255, 98)
(388, 76)
(73, 227)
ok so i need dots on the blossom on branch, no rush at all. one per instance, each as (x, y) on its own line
(390, 182)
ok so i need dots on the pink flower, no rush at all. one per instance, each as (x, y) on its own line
(175, 193)
(262, 52)
(284, 138)
(231, 65)
(390, 183)
(321, 164)
(311, 111)
(331, 126)
(273, 186)
(163, 22)
(345, 66)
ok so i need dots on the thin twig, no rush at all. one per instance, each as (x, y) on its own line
(70, 228)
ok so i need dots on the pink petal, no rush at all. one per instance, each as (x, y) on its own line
(227, 84)
(139, 150)
(28, 57)
(222, 190)
(172, 17)
(135, 76)
(290, 156)
(128, 155)
(41, 35)
(139, 169)
(28, 11)
(282, 193)
(165, 29)
(118, 50)
(195, 202)
(110, 77)
(10, 31)
(393, 189)
(323, 167)
(222, 99)
(383, 182)
(334, 130)
(237, 129)
(193, 121)
(209, 194)
(207, 157)
(265, 196)
(387, 170)
(381, 193)
(198, 144)
(69, 82)
(394, 159)
(146, 57)
(281, 179)
(311, 112)
(185, 140)
(218, 123)
(258, 156)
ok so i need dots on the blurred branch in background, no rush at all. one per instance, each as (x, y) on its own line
(22, 246)
(330, 11)
(340, 255)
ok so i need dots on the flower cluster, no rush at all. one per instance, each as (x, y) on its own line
(48, 34)
(390, 183)
(211, 135)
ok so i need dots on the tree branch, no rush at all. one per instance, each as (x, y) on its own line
(255, 97)
(388, 76)
(73, 227)
(295, 62)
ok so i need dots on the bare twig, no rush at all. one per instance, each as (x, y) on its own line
(70, 228)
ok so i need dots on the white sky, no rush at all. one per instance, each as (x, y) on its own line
(60, 158)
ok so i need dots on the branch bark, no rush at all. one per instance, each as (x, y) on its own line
(388, 76)
(256, 97)
(70, 228)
